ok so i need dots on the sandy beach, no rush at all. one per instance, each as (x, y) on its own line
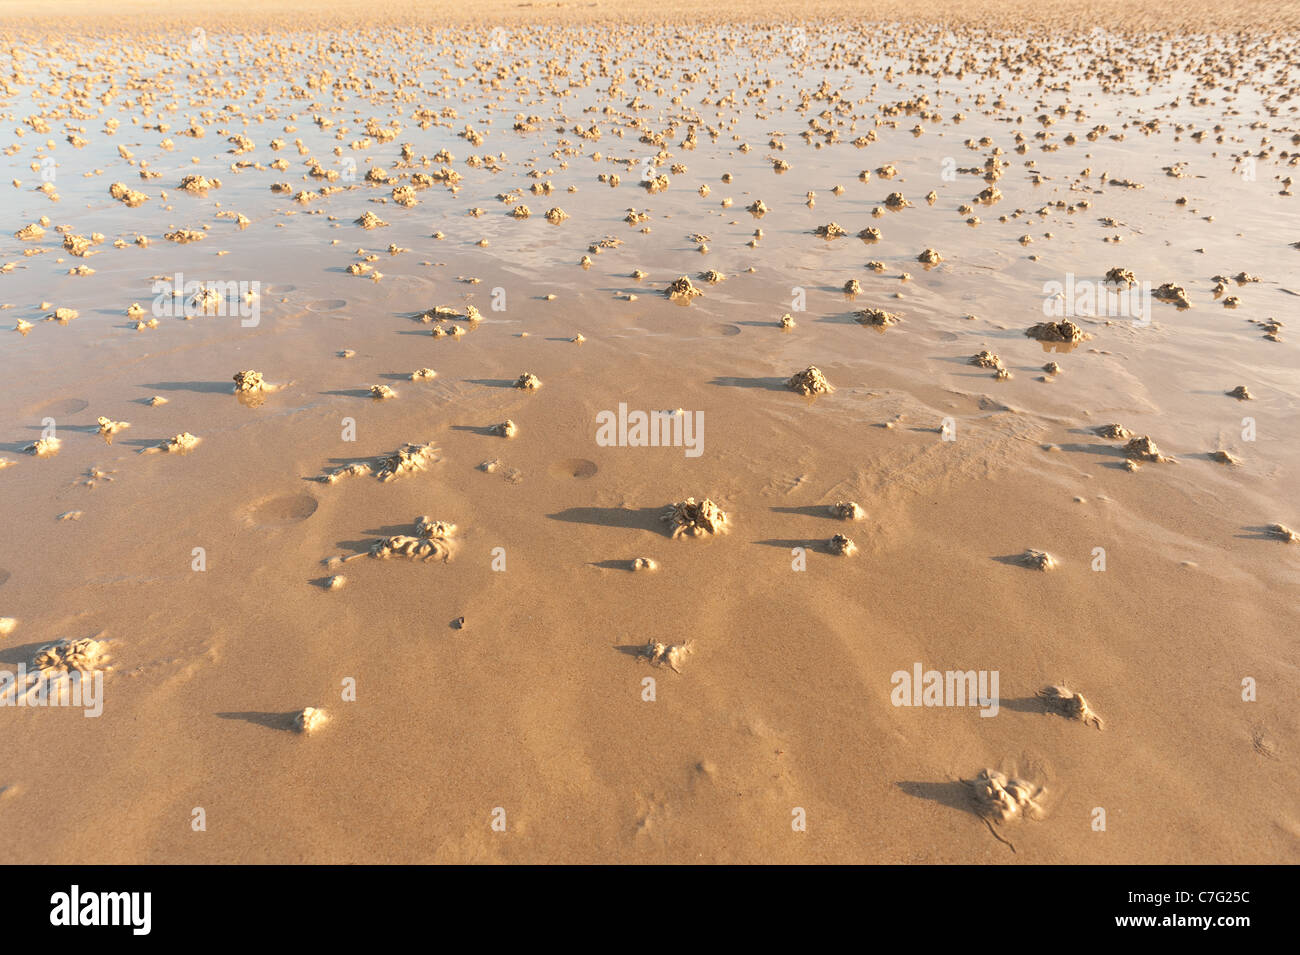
(578, 433)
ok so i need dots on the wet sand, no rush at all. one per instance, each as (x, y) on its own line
(506, 671)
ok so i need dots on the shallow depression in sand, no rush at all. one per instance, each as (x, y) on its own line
(283, 510)
(327, 305)
(579, 468)
(65, 406)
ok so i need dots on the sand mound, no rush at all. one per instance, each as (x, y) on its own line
(1143, 448)
(665, 654)
(1272, 329)
(423, 374)
(108, 427)
(810, 381)
(347, 470)
(896, 200)
(644, 563)
(439, 313)
(787, 321)
(44, 447)
(197, 184)
(1002, 798)
(77, 245)
(1175, 294)
(1037, 560)
(68, 655)
(1241, 393)
(841, 546)
(206, 299)
(1223, 457)
(1283, 533)
(986, 359)
(126, 195)
(506, 429)
(1121, 276)
(528, 382)
(832, 230)
(309, 720)
(382, 392)
(1069, 704)
(177, 445)
(370, 221)
(250, 381)
(688, 517)
(432, 540)
(847, 511)
(1064, 331)
(929, 257)
(1116, 432)
(407, 459)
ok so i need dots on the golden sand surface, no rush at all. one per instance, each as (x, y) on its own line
(967, 328)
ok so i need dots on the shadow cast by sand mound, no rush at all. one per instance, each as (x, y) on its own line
(272, 721)
(372, 535)
(1258, 532)
(1102, 450)
(954, 795)
(810, 510)
(1025, 704)
(349, 393)
(1016, 560)
(23, 653)
(634, 518)
(763, 384)
(492, 382)
(627, 564)
(820, 545)
(199, 387)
